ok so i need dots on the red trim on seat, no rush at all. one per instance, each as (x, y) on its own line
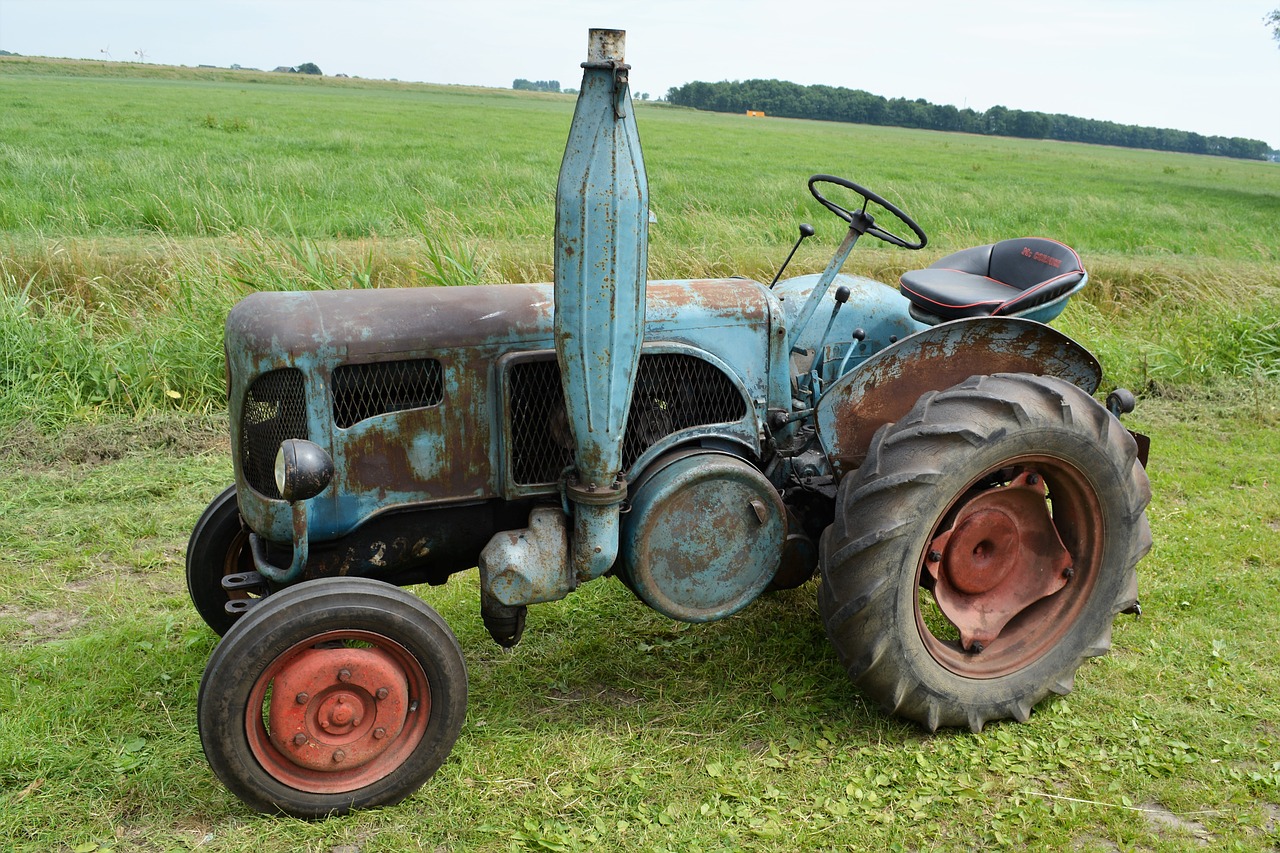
(1041, 286)
(920, 295)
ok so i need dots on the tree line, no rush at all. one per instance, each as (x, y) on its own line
(536, 85)
(836, 103)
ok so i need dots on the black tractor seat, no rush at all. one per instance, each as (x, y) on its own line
(1026, 276)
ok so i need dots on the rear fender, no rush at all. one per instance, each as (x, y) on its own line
(887, 385)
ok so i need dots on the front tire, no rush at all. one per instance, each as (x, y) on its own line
(1010, 494)
(335, 694)
(218, 546)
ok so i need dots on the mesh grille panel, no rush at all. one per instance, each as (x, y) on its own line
(673, 392)
(541, 441)
(364, 390)
(274, 409)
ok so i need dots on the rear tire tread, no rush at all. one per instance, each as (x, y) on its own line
(878, 513)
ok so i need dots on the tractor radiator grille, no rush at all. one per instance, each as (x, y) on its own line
(364, 390)
(274, 409)
(673, 392)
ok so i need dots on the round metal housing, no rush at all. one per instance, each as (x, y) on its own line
(703, 537)
(303, 469)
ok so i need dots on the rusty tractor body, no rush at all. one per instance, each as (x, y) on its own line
(934, 450)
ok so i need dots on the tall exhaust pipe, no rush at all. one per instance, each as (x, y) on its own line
(601, 263)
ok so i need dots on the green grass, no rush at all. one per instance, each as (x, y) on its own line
(149, 203)
(203, 155)
(611, 727)
(140, 202)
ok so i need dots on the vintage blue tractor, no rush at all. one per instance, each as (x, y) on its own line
(934, 450)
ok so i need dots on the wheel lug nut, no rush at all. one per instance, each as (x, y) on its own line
(302, 698)
(382, 693)
(379, 733)
(344, 674)
(339, 756)
(1069, 572)
(976, 649)
(299, 739)
(935, 556)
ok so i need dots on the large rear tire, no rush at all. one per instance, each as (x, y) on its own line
(1013, 495)
(335, 694)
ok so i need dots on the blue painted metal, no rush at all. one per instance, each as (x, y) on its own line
(602, 237)
(301, 549)
(847, 376)
(529, 565)
(881, 311)
(801, 321)
(704, 535)
(887, 385)
(454, 452)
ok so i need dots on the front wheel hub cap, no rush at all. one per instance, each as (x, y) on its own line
(1002, 554)
(356, 703)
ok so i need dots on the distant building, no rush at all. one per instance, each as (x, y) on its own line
(756, 113)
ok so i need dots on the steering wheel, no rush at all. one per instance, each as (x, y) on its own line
(861, 221)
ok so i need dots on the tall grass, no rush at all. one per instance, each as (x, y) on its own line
(137, 209)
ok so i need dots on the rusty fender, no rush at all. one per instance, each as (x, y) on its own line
(887, 385)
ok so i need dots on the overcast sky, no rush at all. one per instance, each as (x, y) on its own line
(1208, 66)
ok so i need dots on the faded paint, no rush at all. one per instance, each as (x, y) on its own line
(876, 308)
(704, 536)
(1002, 555)
(601, 263)
(529, 565)
(451, 452)
(888, 384)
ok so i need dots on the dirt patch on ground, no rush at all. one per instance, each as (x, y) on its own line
(1164, 822)
(599, 694)
(42, 625)
(24, 626)
(28, 447)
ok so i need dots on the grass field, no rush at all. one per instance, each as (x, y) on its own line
(139, 208)
(138, 203)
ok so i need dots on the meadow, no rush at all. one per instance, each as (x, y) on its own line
(138, 203)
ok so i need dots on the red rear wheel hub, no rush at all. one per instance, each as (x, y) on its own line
(1011, 567)
(1002, 554)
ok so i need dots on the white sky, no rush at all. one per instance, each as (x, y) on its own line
(1208, 66)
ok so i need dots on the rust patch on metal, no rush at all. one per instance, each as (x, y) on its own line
(439, 451)
(1002, 555)
(888, 385)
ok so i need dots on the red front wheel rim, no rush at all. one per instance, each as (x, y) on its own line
(338, 711)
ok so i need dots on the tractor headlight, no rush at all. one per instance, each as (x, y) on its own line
(303, 469)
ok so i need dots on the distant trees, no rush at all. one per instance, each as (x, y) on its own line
(1273, 21)
(536, 85)
(831, 103)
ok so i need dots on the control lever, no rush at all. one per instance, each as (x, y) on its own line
(815, 384)
(806, 230)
